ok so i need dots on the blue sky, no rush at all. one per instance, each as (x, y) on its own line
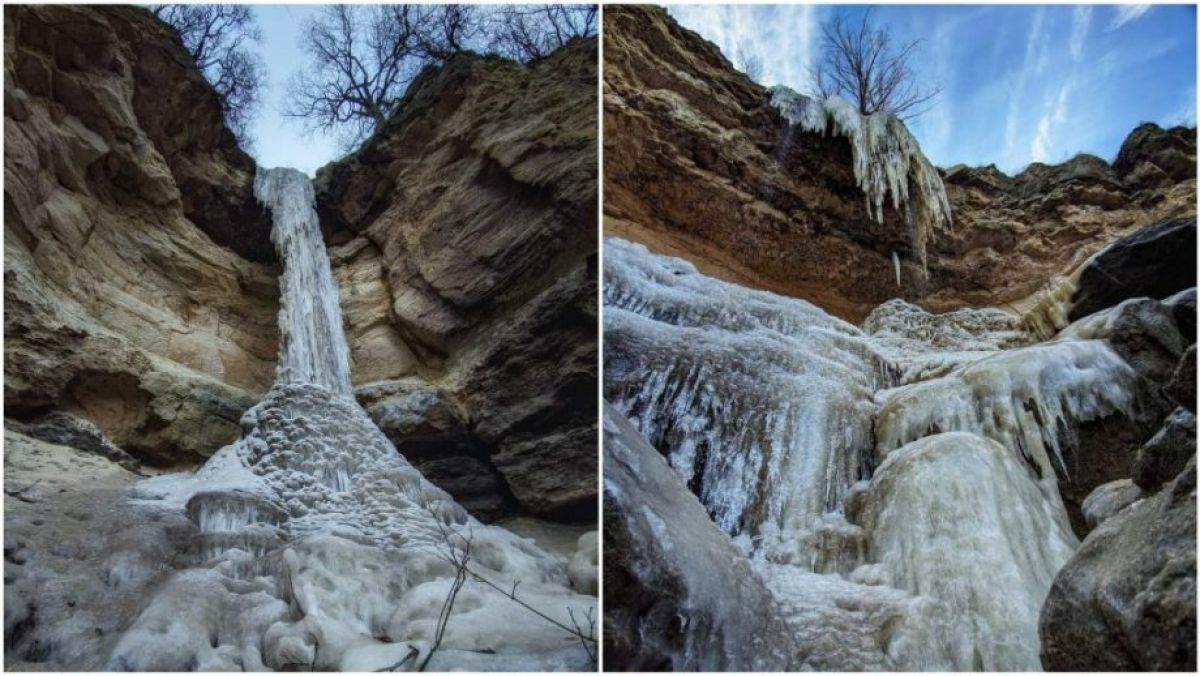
(280, 141)
(1020, 83)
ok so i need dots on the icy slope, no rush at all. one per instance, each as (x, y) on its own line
(869, 475)
(320, 547)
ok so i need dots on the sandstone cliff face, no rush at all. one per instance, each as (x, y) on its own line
(698, 164)
(123, 193)
(468, 277)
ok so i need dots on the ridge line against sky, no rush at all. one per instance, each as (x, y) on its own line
(1020, 83)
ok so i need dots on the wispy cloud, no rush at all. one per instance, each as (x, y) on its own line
(1081, 21)
(1040, 149)
(1035, 48)
(1127, 14)
(759, 31)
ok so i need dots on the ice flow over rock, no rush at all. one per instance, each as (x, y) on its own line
(887, 161)
(318, 546)
(868, 475)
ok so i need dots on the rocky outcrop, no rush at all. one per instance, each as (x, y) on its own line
(1153, 262)
(1127, 600)
(469, 262)
(129, 219)
(699, 164)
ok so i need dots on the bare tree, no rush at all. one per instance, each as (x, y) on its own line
(218, 38)
(364, 57)
(748, 62)
(446, 29)
(360, 66)
(860, 63)
(531, 32)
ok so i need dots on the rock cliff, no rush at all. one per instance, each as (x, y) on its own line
(138, 292)
(468, 274)
(698, 163)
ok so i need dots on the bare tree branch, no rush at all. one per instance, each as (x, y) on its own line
(860, 64)
(218, 37)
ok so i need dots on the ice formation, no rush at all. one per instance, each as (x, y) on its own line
(312, 347)
(887, 160)
(319, 546)
(867, 474)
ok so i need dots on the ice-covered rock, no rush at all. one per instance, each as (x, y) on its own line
(762, 403)
(887, 160)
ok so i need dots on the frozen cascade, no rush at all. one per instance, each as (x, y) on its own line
(319, 546)
(887, 160)
(868, 474)
(769, 432)
(312, 345)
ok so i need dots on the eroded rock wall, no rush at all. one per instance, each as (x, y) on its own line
(131, 295)
(468, 263)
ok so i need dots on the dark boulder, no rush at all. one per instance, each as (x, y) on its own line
(1127, 600)
(1167, 452)
(1183, 306)
(1154, 262)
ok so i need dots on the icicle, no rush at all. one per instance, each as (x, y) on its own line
(896, 264)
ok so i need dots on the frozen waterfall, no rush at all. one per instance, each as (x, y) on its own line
(317, 546)
(868, 474)
(312, 346)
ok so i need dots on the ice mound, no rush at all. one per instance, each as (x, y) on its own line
(887, 161)
(319, 547)
(956, 521)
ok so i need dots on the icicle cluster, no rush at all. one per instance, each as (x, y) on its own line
(764, 402)
(887, 161)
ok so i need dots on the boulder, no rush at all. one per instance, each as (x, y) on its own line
(1108, 499)
(1126, 601)
(1156, 261)
(1182, 386)
(672, 579)
(1183, 306)
(1167, 452)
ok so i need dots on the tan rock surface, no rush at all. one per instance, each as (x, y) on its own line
(119, 307)
(473, 216)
